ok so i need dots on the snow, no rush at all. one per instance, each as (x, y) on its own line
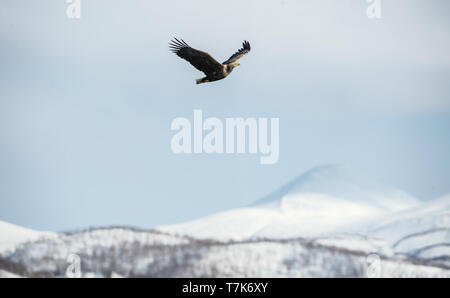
(434, 252)
(194, 258)
(428, 217)
(334, 207)
(337, 181)
(298, 216)
(416, 242)
(323, 224)
(422, 232)
(355, 242)
(6, 274)
(11, 236)
(328, 199)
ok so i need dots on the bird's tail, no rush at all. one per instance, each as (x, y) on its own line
(203, 80)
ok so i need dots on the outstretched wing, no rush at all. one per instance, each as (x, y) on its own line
(240, 53)
(200, 60)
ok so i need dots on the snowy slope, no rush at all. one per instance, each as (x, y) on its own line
(6, 274)
(12, 235)
(325, 200)
(422, 232)
(126, 252)
(340, 182)
(323, 224)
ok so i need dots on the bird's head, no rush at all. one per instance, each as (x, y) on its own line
(231, 66)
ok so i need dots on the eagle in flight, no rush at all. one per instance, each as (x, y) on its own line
(204, 62)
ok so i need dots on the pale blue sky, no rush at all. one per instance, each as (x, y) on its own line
(86, 105)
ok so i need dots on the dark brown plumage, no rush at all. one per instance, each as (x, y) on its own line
(204, 62)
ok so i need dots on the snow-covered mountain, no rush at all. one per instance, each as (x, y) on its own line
(129, 252)
(323, 224)
(422, 232)
(11, 236)
(325, 200)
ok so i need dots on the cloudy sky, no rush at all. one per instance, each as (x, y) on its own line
(86, 105)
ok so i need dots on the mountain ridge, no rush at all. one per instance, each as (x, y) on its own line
(325, 199)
